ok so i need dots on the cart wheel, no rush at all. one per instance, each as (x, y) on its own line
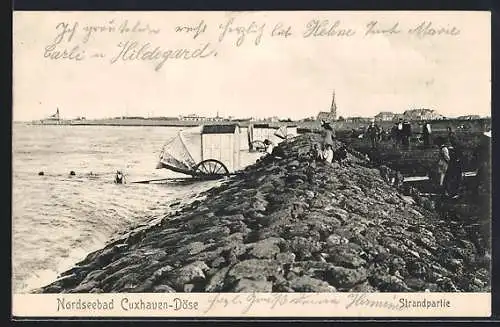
(211, 167)
(258, 146)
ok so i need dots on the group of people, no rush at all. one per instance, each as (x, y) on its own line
(326, 152)
(451, 163)
(401, 133)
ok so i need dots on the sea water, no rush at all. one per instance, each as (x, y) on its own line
(57, 218)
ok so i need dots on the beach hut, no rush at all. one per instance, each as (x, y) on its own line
(291, 131)
(265, 131)
(222, 142)
(246, 137)
(208, 150)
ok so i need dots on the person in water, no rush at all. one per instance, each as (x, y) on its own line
(119, 177)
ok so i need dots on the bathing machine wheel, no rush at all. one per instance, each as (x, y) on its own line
(210, 168)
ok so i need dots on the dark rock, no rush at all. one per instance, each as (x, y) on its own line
(249, 286)
(193, 272)
(388, 283)
(345, 256)
(285, 258)
(266, 249)
(416, 284)
(216, 281)
(254, 269)
(363, 287)
(85, 287)
(316, 269)
(217, 262)
(163, 289)
(309, 284)
(303, 247)
(345, 278)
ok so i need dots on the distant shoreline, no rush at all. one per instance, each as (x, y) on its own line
(148, 122)
(303, 126)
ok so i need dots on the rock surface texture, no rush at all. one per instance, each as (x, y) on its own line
(290, 225)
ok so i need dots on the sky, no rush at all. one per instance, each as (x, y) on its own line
(291, 77)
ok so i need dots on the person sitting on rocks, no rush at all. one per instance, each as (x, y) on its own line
(327, 154)
(269, 146)
(340, 155)
(278, 152)
(272, 151)
(315, 153)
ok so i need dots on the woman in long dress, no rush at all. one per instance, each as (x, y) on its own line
(328, 135)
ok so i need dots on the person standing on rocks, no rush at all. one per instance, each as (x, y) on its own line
(426, 132)
(483, 163)
(443, 161)
(328, 136)
(395, 136)
(451, 135)
(406, 134)
(328, 133)
(453, 178)
(373, 133)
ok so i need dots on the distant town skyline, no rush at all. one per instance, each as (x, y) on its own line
(383, 115)
(289, 79)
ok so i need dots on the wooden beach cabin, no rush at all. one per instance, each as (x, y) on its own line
(203, 150)
(291, 130)
(246, 137)
(222, 142)
(265, 131)
(274, 133)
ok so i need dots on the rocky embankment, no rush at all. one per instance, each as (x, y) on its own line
(290, 225)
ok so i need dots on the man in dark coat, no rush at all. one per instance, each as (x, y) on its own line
(453, 177)
(406, 134)
(373, 132)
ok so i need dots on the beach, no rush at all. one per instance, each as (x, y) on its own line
(57, 219)
(291, 225)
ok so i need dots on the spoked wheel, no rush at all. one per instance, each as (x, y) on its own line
(258, 146)
(211, 168)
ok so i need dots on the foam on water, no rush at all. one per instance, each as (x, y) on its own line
(58, 219)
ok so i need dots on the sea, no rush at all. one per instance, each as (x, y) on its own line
(59, 218)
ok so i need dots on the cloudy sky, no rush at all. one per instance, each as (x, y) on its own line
(287, 77)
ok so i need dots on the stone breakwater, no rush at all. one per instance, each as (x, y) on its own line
(290, 225)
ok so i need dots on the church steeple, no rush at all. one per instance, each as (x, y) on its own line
(333, 108)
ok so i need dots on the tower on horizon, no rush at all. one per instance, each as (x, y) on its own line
(333, 108)
(329, 115)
